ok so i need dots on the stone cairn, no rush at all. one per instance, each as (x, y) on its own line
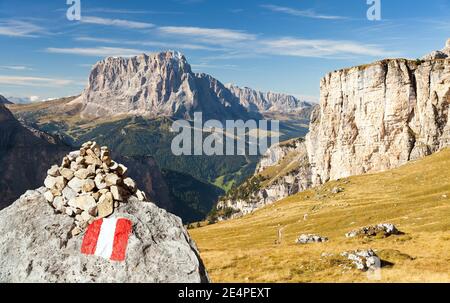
(89, 185)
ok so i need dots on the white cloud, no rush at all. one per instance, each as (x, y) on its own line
(16, 28)
(208, 35)
(149, 43)
(116, 22)
(128, 11)
(320, 48)
(34, 98)
(33, 81)
(97, 51)
(300, 13)
(15, 67)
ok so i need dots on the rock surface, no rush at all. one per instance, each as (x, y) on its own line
(36, 246)
(439, 54)
(293, 176)
(159, 84)
(384, 229)
(306, 239)
(3, 100)
(379, 116)
(257, 101)
(363, 259)
(371, 118)
(89, 185)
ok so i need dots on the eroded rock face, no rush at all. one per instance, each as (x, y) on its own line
(377, 117)
(277, 152)
(294, 177)
(36, 246)
(258, 101)
(159, 84)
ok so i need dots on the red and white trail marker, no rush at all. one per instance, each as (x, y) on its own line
(107, 238)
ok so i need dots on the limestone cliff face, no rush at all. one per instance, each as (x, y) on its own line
(371, 118)
(379, 116)
(159, 84)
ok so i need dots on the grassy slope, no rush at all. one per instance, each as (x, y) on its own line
(412, 197)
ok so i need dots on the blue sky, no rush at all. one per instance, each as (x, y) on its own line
(283, 46)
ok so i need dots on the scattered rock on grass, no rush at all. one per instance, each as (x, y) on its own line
(363, 259)
(306, 239)
(385, 229)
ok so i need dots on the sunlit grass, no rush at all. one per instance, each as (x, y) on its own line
(415, 197)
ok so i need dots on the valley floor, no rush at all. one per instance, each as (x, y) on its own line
(414, 197)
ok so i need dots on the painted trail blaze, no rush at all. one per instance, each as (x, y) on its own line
(107, 238)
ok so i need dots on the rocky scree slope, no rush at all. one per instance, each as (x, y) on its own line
(42, 232)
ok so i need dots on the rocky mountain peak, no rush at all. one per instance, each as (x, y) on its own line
(256, 101)
(439, 54)
(3, 100)
(159, 84)
(163, 84)
(5, 114)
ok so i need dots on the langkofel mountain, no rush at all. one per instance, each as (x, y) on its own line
(163, 84)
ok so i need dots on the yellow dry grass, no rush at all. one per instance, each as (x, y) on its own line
(415, 197)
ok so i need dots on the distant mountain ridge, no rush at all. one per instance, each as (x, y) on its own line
(25, 155)
(163, 84)
(159, 84)
(256, 101)
(3, 100)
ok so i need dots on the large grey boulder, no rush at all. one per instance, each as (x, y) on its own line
(36, 246)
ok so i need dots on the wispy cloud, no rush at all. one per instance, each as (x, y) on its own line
(34, 81)
(128, 11)
(208, 35)
(116, 22)
(321, 48)
(15, 67)
(148, 43)
(300, 13)
(96, 51)
(203, 66)
(277, 46)
(16, 28)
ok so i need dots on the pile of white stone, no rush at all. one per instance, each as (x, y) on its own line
(306, 239)
(363, 259)
(89, 185)
(386, 229)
